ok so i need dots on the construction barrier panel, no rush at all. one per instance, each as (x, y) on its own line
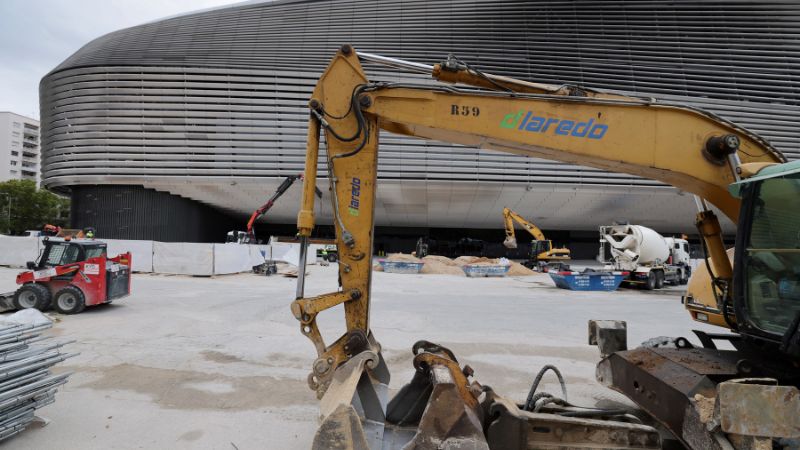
(16, 251)
(232, 258)
(183, 258)
(141, 252)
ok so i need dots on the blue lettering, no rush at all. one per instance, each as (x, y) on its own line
(524, 121)
(564, 127)
(547, 124)
(583, 127)
(598, 131)
(535, 124)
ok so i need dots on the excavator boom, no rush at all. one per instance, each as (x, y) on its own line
(509, 217)
(690, 149)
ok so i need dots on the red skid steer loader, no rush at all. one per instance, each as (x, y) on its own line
(69, 276)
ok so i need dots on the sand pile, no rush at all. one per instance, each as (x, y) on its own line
(441, 265)
(518, 270)
(402, 257)
(441, 259)
(464, 260)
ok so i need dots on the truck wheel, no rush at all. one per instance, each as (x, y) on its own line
(659, 280)
(651, 281)
(32, 295)
(69, 300)
(333, 257)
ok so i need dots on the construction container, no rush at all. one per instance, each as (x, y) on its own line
(401, 266)
(484, 270)
(588, 281)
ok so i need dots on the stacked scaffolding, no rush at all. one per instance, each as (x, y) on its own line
(26, 383)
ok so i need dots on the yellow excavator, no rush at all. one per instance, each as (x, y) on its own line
(741, 394)
(542, 250)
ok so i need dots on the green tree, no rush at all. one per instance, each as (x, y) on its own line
(30, 208)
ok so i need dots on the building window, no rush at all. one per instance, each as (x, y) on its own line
(12, 171)
(17, 125)
(15, 143)
(13, 163)
(15, 133)
(14, 153)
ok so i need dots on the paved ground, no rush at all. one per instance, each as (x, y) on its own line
(220, 363)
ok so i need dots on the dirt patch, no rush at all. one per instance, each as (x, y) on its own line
(182, 389)
(219, 357)
(191, 435)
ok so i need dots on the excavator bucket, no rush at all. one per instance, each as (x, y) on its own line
(438, 409)
(442, 409)
(510, 242)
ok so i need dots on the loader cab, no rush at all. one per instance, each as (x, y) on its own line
(766, 292)
(59, 252)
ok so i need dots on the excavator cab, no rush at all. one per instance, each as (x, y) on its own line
(767, 263)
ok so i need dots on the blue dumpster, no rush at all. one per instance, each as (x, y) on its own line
(401, 266)
(588, 281)
(484, 270)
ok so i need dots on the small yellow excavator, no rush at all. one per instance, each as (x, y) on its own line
(542, 250)
(739, 395)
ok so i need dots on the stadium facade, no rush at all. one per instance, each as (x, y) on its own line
(172, 129)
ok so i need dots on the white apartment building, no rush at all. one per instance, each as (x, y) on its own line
(20, 157)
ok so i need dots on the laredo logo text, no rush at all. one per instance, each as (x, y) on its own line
(355, 194)
(536, 124)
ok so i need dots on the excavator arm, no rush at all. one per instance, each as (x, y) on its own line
(509, 217)
(687, 148)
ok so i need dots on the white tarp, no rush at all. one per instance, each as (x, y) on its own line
(259, 254)
(183, 258)
(232, 258)
(17, 251)
(141, 252)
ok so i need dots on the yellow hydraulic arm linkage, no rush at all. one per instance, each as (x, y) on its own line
(677, 145)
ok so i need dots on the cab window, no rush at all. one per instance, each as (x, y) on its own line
(773, 254)
(94, 252)
(62, 253)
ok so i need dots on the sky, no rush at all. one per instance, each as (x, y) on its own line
(37, 35)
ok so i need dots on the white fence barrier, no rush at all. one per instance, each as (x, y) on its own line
(141, 252)
(232, 258)
(181, 258)
(16, 251)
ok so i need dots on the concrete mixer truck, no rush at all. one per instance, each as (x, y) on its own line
(650, 259)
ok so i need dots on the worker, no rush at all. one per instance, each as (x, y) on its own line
(324, 254)
(89, 233)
